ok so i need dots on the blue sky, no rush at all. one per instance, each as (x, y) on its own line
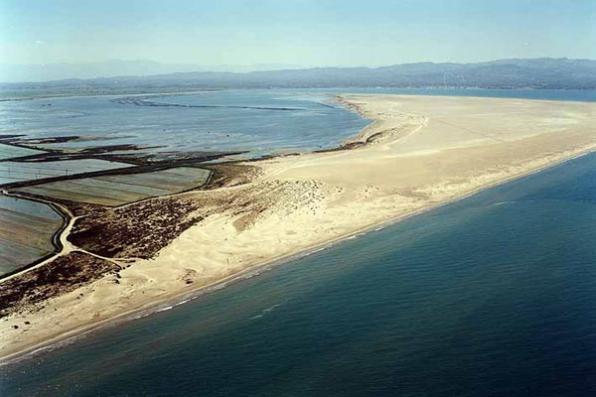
(298, 32)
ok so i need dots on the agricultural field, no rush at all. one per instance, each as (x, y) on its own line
(114, 190)
(26, 230)
(11, 171)
(9, 152)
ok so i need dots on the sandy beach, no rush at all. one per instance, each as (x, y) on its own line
(419, 152)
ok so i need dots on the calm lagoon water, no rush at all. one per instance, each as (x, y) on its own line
(492, 296)
(258, 121)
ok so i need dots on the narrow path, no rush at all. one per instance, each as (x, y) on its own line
(66, 247)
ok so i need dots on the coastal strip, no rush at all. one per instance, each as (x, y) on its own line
(419, 153)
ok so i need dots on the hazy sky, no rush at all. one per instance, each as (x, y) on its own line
(307, 32)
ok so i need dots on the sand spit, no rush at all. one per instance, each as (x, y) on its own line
(420, 152)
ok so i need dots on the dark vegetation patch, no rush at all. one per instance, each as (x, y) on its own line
(136, 230)
(141, 229)
(229, 174)
(62, 275)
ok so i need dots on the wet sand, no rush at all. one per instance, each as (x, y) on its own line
(419, 153)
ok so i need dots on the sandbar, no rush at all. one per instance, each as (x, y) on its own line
(419, 152)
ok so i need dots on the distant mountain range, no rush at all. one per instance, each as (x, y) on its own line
(11, 73)
(551, 73)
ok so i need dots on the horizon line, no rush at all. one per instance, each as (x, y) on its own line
(246, 72)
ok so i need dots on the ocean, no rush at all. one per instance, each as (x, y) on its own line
(494, 295)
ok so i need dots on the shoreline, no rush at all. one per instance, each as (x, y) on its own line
(250, 272)
(254, 268)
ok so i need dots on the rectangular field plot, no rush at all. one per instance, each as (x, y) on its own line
(17, 172)
(26, 230)
(9, 151)
(113, 190)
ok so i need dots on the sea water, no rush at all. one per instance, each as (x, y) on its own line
(494, 295)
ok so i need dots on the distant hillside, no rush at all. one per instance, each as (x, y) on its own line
(11, 73)
(560, 73)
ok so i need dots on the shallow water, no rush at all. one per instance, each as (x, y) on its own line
(258, 121)
(491, 296)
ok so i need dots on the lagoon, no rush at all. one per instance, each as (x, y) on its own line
(261, 122)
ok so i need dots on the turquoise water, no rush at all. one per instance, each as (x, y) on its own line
(492, 296)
